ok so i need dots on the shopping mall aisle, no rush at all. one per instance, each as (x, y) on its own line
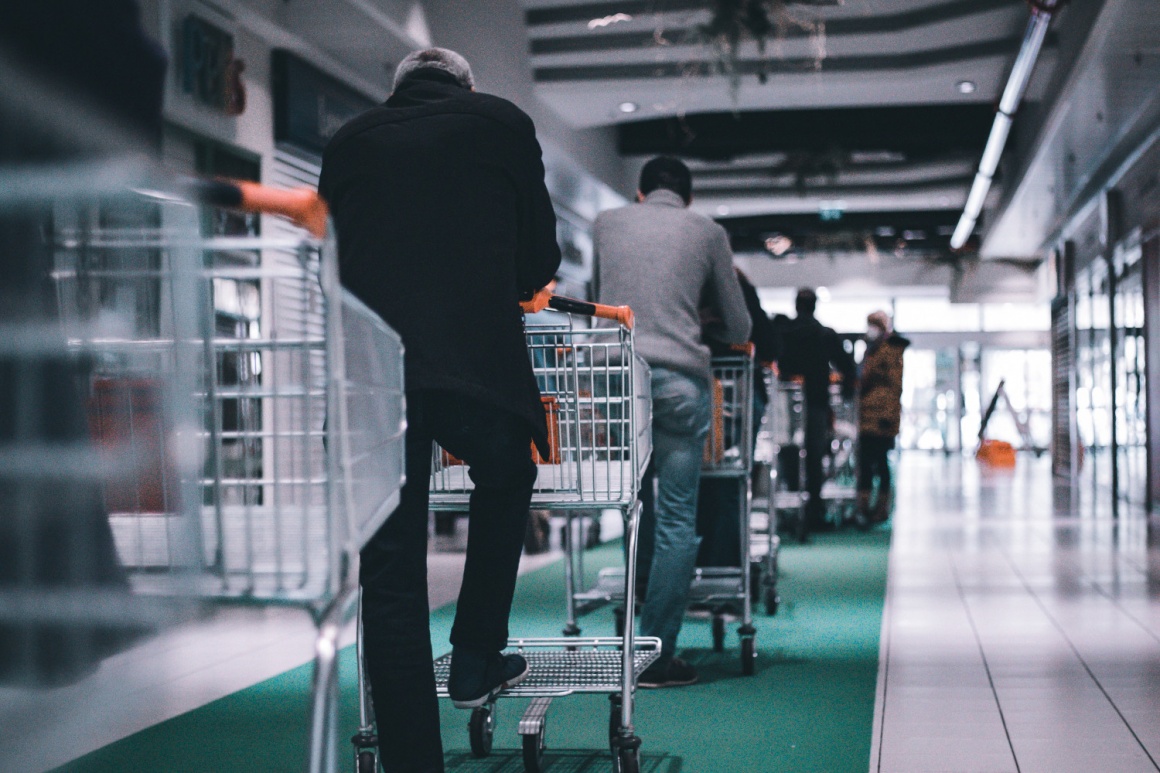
(1020, 633)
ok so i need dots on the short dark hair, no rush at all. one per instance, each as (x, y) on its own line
(668, 173)
(806, 302)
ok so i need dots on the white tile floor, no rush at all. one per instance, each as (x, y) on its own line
(1020, 633)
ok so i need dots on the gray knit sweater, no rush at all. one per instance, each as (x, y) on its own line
(668, 263)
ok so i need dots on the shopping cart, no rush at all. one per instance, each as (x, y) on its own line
(261, 404)
(840, 490)
(596, 392)
(785, 426)
(728, 457)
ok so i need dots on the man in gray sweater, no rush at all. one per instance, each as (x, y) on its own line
(675, 269)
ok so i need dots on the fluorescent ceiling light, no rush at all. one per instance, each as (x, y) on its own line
(966, 87)
(604, 21)
(628, 107)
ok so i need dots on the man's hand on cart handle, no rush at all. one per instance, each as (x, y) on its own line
(545, 299)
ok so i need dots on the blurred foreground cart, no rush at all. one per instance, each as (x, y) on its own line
(256, 407)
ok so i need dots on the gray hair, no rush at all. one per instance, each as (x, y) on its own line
(436, 59)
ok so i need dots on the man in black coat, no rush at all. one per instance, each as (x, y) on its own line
(443, 223)
(809, 350)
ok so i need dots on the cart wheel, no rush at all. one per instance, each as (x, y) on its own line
(772, 601)
(718, 633)
(482, 728)
(446, 523)
(629, 760)
(748, 656)
(613, 723)
(534, 751)
(367, 762)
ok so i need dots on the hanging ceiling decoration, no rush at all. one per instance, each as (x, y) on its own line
(735, 22)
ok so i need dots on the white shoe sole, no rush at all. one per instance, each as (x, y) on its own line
(477, 702)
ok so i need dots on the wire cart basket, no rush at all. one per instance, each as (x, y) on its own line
(262, 406)
(598, 402)
(839, 492)
(781, 444)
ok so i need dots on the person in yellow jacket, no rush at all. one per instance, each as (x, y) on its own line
(879, 415)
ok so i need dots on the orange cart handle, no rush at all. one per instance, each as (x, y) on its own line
(303, 205)
(749, 349)
(544, 299)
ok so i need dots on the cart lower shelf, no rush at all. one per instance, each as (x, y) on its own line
(565, 665)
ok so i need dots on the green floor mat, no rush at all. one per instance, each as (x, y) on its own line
(808, 708)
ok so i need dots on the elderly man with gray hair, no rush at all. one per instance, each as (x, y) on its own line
(443, 222)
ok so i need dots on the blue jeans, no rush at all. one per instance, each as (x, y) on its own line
(681, 415)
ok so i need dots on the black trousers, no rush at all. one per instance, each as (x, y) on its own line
(872, 462)
(817, 432)
(396, 623)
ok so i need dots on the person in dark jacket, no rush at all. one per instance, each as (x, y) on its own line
(810, 350)
(719, 506)
(443, 222)
(879, 414)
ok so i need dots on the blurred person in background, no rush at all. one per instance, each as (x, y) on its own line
(879, 415)
(443, 222)
(809, 351)
(668, 264)
(79, 81)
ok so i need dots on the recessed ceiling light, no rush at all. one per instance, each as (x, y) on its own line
(722, 211)
(628, 107)
(966, 87)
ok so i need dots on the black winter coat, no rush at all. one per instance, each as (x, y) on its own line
(809, 349)
(443, 222)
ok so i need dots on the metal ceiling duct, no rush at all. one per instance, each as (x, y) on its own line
(1041, 14)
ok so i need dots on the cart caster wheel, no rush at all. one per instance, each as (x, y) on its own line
(613, 723)
(367, 762)
(748, 656)
(772, 601)
(534, 752)
(802, 530)
(718, 633)
(571, 629)
(482, 728)
(628, 761)
(446, 523)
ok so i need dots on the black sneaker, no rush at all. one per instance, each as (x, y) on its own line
(478, 677)
(676, 673)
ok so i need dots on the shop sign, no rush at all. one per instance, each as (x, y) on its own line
(209, 70)
(309, 105)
